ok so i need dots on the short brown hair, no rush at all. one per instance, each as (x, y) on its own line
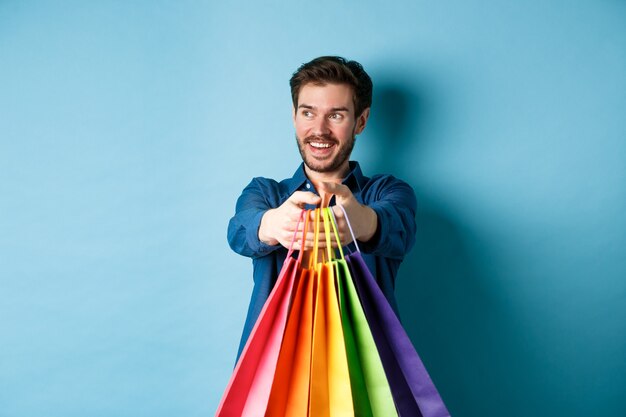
(334, 70)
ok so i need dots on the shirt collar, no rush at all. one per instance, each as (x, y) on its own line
(355, 178)
(298, 180)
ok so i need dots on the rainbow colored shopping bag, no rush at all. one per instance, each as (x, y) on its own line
(327, 343)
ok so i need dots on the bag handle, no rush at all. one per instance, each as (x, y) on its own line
(345, 215)
(316, 238)
(327, 233)
(305, 230)
(329, 217)
(295, 234)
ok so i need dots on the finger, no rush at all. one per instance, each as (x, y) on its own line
(321, 235)
(306, 245)
(339, 215)
(294, 225)
(345, 239)
(313, 215)
(310, 238)
(309, 230)
(293, 214)
(291, 231)
(313, 218)
(311, 245)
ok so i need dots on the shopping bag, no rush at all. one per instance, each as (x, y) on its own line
(289, 395)
(312, 376)
(248, 390)
(327, 343)
(370, 389)
(330, 391)
(413, 390)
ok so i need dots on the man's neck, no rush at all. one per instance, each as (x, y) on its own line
(335, 176)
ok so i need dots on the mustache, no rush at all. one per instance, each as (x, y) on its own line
(328, 138)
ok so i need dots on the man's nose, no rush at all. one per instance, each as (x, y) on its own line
(321, 126)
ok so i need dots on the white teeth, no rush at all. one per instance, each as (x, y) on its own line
(320, 145)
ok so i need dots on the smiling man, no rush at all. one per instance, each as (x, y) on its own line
(331, 105)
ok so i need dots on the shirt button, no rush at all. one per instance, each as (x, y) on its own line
(308, 185)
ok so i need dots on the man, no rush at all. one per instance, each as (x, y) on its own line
(331, 105)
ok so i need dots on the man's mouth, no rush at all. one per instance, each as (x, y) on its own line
(321, 150)
(321, 142)
(320, 145)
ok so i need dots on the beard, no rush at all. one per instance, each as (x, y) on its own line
(331, 164)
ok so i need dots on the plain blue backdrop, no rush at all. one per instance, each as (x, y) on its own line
(129, 128)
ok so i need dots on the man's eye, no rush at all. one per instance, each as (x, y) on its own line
(336, 116)
(307, 113)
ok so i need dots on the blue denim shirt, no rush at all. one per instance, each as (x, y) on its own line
(393, 201)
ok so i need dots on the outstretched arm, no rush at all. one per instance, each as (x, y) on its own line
(386, 225)
(278, 225)
(261, 224)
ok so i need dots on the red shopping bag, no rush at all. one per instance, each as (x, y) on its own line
(248, 390)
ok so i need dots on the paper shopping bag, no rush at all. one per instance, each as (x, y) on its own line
(248, 390)
(413, 390)
(331, 393)
(370, 389)
(290, 389)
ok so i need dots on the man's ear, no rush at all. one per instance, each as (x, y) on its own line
(361, 121)
(293, 115)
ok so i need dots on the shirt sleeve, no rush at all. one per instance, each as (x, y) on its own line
(243, 228)
(395, 205)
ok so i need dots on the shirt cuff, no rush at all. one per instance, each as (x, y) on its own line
(253, 237)
(381, 229)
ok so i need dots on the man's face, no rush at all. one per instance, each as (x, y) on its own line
(326, 126)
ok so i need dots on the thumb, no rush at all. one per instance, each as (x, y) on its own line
(300, 198)
(339, 190)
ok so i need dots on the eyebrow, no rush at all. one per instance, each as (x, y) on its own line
(334, 109)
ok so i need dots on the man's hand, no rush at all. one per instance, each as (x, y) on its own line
(363, 219)
(278, 225)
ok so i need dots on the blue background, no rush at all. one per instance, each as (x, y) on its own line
(128, 129)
